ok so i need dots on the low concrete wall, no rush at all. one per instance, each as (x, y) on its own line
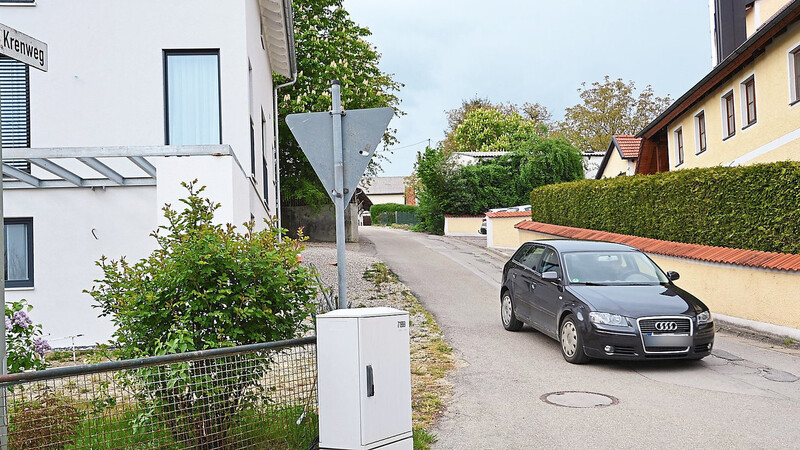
(320, 224)
(761, 295)
(501, 232)
(462, 225)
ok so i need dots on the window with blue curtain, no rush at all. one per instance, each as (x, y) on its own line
(192, 97)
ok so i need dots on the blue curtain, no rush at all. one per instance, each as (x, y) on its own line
(193, 99)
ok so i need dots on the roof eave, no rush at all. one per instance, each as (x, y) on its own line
(727, 66)
(277, 28)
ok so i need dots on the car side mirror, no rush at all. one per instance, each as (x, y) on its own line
(672, 275)
(550, 276)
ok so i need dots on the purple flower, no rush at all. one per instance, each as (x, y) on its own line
(22, 319)
(8, 323)
(40, 346)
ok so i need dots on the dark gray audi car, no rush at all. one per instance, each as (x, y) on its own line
(603, 300)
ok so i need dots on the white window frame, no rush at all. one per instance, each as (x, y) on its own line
(697, 148)
(794, 92)
(679, 146)
(743, 100)
(726, 132)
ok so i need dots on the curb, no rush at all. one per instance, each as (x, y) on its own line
(765, 330)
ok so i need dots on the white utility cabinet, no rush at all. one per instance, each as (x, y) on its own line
(364, 372)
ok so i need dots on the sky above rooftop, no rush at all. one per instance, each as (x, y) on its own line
(518, 51)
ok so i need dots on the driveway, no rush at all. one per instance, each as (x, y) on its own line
(744, 396)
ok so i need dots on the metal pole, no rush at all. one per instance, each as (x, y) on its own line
(3, 358)
(338, 194)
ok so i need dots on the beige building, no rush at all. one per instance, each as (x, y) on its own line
(746, 110)
(620, 157)
(385, 190)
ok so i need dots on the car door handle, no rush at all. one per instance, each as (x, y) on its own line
(533, 286)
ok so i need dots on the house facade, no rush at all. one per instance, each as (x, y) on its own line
(746, 110)
(139, 97)
(620, 157)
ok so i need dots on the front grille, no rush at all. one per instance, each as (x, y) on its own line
(666, 349)
(619, 350)
(651, 326)
(702, 348)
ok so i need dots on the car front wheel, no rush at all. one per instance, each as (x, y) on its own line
(507, 314)
(572, 342)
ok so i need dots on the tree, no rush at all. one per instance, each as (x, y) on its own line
(609, 108)
(329, 46)
(205, 286)
(532, 114)
(488, 129)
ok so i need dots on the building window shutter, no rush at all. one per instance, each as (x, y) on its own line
(15, 108)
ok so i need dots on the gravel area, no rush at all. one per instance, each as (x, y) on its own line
(323, 256)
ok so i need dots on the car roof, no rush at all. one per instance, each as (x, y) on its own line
(576, 245)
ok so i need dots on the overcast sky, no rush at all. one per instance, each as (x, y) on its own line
(526, 51)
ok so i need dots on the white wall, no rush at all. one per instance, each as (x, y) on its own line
(65, 250)
(106, 81)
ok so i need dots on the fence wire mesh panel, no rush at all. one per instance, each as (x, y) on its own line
(257, 396)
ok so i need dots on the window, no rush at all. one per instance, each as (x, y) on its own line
(19, 252)
(794, 74)
(192, 97)
(550, 263)
(252, 149)
(531, 259)
(729, 124)
(678, 147)
(700, 127)
(15, 108)
(264, 156)
(749, 95)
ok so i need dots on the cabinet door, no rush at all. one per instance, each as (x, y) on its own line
(386, 402)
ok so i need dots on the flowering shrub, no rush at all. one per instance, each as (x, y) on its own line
(24, 343)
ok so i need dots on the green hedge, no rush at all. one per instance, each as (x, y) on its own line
(753, 207)
(376, 210)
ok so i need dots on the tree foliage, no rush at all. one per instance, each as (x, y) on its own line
(329, 46)
(205, 286)
(609, 108)
(501, 182)
(480, 125)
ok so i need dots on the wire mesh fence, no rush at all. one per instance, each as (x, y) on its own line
(254, 396)
(398, 217)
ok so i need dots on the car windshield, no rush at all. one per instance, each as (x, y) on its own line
(612, 268)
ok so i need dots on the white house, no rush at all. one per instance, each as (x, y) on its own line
(140, 96)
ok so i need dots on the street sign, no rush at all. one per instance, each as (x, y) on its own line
(23, 48)
(339, 145)
(362, 130)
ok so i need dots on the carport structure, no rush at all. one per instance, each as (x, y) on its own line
(93, 167)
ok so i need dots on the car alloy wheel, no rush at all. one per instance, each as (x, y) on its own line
(510, 321)
(572, 342)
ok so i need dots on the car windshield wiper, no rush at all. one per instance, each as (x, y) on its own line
(591, 283)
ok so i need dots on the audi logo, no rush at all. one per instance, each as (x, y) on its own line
(666, 326)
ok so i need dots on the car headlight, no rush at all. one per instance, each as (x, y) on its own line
(608, 319)
(703, 317)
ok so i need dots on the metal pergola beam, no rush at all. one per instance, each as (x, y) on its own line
(25, 177)
(57, 170)
(87, 183)
(144, 165)
(117, 152)
(103, 169)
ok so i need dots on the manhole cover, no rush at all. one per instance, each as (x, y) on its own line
(777, 375)
(579, 399)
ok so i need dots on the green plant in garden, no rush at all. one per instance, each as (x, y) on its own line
(500, 182)
(205, 286)
(44, 422)
(25, 346)
(329, 46)
(753, 207)
(376, 210)
(488, 129)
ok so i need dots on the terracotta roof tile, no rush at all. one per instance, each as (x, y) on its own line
(462, 217)
(509, 214)
(725, 255)
(628, 145)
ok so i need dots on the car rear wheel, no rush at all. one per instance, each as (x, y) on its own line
(508, 315)
(572, 342)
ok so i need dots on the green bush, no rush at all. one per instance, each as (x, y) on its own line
(205, 286)
(376, 210)
(753, 207)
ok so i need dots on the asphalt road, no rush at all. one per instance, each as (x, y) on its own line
(743, 396)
